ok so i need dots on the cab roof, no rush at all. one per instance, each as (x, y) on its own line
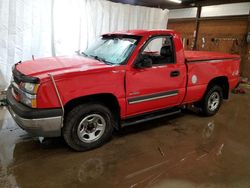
(142, 32)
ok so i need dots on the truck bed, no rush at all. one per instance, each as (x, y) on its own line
(204, 66)
(197, 56)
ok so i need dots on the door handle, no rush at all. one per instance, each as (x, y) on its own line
(175, 73)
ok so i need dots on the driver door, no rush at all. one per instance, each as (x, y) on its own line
(159, 86)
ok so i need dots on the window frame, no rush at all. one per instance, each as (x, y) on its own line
(151, 38)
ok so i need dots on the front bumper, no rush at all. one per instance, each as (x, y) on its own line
(39, 122)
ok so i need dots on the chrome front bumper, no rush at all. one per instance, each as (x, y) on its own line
(44, 127)
(39, 122)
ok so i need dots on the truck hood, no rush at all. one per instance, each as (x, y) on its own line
(204, 56)
(59, 65)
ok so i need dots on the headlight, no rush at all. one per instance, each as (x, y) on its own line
(28, 96)
(29, 100)
(30, 87)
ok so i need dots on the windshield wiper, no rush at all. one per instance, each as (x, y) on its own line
(101, 59)
(86, 55)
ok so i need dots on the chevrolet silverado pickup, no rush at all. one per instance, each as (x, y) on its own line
(123, 78)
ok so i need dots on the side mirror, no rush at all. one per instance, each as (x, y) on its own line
(143, 63)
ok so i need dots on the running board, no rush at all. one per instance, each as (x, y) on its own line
(149, 117)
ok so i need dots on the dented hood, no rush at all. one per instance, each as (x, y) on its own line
(59, 65)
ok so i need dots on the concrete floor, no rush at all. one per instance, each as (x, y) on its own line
(184, 151)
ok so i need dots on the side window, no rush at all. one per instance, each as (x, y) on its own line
(160, 50)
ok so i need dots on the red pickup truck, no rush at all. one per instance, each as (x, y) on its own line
(122, 79)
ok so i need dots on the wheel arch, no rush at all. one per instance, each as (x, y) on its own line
(107, 99)
(220, 81)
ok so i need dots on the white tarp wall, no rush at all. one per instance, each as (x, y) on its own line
(61, 27)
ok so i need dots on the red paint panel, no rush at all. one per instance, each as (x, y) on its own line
(204, 55)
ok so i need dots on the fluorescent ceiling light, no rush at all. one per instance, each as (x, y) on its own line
(176, 1)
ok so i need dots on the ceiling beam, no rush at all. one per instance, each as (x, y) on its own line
(164, 4)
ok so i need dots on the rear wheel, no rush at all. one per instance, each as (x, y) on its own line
(212, 100)
(88, 126)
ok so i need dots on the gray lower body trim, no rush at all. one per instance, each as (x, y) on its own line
(44, 127)
(152, 97)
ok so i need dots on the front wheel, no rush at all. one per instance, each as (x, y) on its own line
(88, 126)
(212, 100)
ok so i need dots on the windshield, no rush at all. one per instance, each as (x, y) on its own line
(111, 49)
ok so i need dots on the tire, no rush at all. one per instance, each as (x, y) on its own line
(88, 126)
(212, 101)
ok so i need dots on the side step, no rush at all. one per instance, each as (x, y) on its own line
(150, 116)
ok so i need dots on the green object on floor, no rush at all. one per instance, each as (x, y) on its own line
(3, 102)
